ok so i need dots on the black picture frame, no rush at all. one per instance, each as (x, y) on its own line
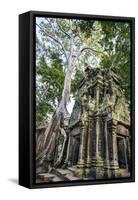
(27, 99)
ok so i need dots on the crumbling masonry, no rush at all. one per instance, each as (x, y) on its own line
(98, 136)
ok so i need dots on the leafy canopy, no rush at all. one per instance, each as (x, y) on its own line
(110, 38)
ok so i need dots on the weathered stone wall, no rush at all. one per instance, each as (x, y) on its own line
(97, 135)
(100, 114)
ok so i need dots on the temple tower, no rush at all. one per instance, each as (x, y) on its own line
(99, 139)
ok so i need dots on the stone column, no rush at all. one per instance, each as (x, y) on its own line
(82, 150)
(114, 163)
(88, 171)
(97, 121)
(107, 162)
(97, 95)
(97, 137)
(99, 171)
(98, 165)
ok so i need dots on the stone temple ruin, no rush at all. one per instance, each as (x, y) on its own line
(98, 131)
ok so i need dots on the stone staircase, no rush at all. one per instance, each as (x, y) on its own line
(57, 175)
(47, 178)
(68, 174)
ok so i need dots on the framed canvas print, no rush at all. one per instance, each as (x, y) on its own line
(76, 99)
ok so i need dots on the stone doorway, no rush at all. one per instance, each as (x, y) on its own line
(122, 153)
(75, 150)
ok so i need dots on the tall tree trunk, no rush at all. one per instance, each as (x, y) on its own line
(61, 111)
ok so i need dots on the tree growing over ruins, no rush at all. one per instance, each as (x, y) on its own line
(64, 47)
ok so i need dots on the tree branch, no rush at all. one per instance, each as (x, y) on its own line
(62, 29)
(54, 39)
(91, 49)
(83, 49)
(51, 25)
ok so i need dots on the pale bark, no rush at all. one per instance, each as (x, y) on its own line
(61, 110)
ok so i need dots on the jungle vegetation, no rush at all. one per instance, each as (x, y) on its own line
(64, 47)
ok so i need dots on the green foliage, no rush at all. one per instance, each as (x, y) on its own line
(86, 27)
(109, 37)
(49, 87)
(116, 41)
